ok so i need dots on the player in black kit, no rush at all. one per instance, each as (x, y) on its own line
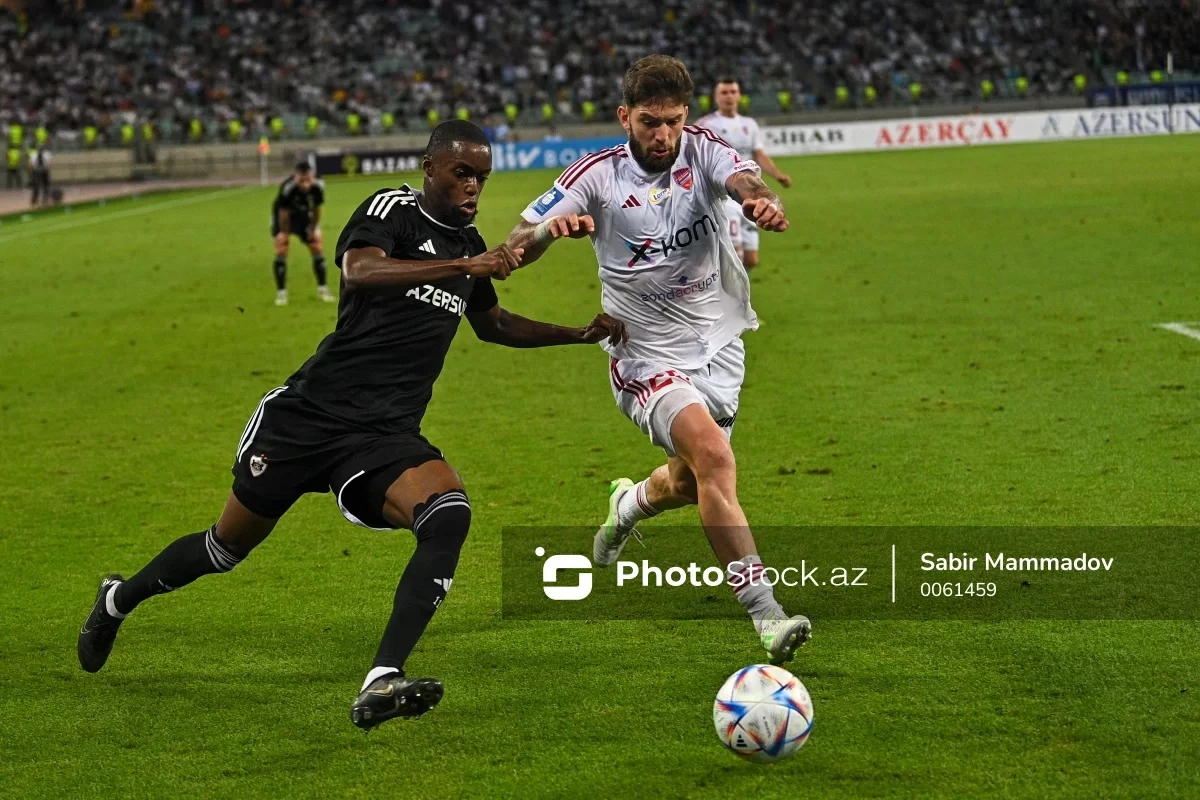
(349, 420)
(297, 212)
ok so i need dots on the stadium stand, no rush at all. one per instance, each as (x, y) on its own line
(307, 64)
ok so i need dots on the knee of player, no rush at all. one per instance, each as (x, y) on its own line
(226, 549)
(712, 460)
(281, 249)
(445, 517)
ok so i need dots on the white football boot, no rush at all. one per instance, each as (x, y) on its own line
(281, 297)
(782, 636)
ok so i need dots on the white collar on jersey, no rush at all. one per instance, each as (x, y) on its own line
(419, 195)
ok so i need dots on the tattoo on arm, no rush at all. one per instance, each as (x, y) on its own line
(745, 186)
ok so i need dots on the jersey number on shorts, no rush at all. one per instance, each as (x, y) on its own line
(663, 379)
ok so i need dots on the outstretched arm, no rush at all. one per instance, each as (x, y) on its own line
(371, 268)
(498, 326)
(534, 238)
(759, 203)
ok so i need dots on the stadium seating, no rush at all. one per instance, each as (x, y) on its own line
(172, 61)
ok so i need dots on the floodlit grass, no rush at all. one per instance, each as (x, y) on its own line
(949, 337)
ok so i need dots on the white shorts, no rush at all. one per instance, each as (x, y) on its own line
(749, 236)
(736, 221)
(743, 232)
(652, 395)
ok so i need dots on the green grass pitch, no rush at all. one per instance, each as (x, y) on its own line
(950, 337)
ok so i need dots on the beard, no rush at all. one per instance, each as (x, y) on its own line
(652, 163)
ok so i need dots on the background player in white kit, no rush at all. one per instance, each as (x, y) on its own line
(743, 135)
(655, 210)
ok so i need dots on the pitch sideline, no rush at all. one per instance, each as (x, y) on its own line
(130, 212)
(1180, 328)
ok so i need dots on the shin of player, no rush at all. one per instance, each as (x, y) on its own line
(654, 209)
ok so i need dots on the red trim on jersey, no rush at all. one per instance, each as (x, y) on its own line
(581, 164)
(696, 130)
(572, 169)
(576, 170)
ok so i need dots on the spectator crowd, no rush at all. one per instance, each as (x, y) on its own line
(67, 64)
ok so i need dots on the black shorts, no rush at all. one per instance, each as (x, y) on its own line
(292, 447)
(301, 226)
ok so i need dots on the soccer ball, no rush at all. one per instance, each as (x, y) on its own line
(763, 713)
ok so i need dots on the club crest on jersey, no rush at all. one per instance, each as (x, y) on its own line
(258, 465)
(684, 178)
(658, 195)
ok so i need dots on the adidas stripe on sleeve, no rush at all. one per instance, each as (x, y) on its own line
(380, 221)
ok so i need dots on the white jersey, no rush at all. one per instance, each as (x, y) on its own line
(741, 132)
(668, 269)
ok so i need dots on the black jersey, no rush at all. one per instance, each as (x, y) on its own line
(376, 370)
(296, 201)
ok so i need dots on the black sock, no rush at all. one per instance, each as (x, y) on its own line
(180, 563)
(440, 525)
(319, 268)
(280, 272)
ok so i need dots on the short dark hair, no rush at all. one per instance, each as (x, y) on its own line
(728, 79)
(449, 133)
(303, 167)
(657, 78)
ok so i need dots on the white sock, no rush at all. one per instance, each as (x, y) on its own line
(745, 577)
(375, 674)
(633, 507)
(110, 604)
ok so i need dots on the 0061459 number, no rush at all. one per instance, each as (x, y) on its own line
(958, 590)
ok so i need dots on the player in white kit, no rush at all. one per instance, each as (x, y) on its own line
(743, 136)
(655, 211)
